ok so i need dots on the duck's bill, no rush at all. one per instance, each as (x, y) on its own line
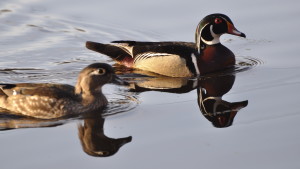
(118, 81)
(233, 31)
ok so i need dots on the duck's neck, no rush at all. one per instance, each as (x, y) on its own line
(92, 100)
(205, 36)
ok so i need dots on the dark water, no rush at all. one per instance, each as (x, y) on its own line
(179, 122)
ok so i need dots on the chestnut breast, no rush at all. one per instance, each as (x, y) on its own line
(215, 57)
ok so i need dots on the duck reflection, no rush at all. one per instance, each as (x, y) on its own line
(210, 90)
(93, 140)
(142, 81)
(10, 121)
(219, 112)
(164, 84)
(91, 133)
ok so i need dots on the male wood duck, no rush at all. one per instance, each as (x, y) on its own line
(47, 101)
(177, 59)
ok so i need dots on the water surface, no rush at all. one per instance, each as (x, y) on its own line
(44, 41)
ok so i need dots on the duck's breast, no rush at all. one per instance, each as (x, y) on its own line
(216, 57)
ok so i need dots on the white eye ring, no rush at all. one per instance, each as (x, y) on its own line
(101, 71)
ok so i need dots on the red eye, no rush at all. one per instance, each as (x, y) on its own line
(218, 20)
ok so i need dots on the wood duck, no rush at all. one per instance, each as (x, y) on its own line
(47, 101)
(177, 59)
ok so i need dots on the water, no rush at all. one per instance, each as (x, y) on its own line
(43, 41)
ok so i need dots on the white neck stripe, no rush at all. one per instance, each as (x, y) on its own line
(200, 38)
(194, 60)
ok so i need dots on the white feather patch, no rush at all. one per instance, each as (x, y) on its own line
(194, 60)
(128, 49)
(216, 37)
(148, 55)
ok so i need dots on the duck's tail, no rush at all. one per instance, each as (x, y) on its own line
(117, 52)
(4, 92)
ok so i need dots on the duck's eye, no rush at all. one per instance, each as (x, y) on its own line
(218, 20)
(101, 71)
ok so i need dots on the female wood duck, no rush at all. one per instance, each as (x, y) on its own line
(177, 59)
(47, 101)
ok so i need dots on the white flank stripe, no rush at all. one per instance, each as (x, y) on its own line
(194, 60)
(148, 55)
(158, 54)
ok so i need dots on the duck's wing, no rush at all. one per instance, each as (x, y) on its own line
(30, 89)
(125, 52)
(115, 51)
(153, 44)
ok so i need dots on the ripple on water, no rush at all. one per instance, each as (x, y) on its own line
(5, 11)
(246, 63)
(120, 102)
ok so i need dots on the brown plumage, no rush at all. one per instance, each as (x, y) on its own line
(48, 101)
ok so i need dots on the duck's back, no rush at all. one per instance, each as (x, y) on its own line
(39, 100)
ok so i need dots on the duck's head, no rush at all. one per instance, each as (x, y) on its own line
(211, 27)
(94, 76)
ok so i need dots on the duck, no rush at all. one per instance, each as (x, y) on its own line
(176, 58)
(49, 101)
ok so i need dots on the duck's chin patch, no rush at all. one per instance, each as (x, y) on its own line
(216, 40)
(216, 37)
